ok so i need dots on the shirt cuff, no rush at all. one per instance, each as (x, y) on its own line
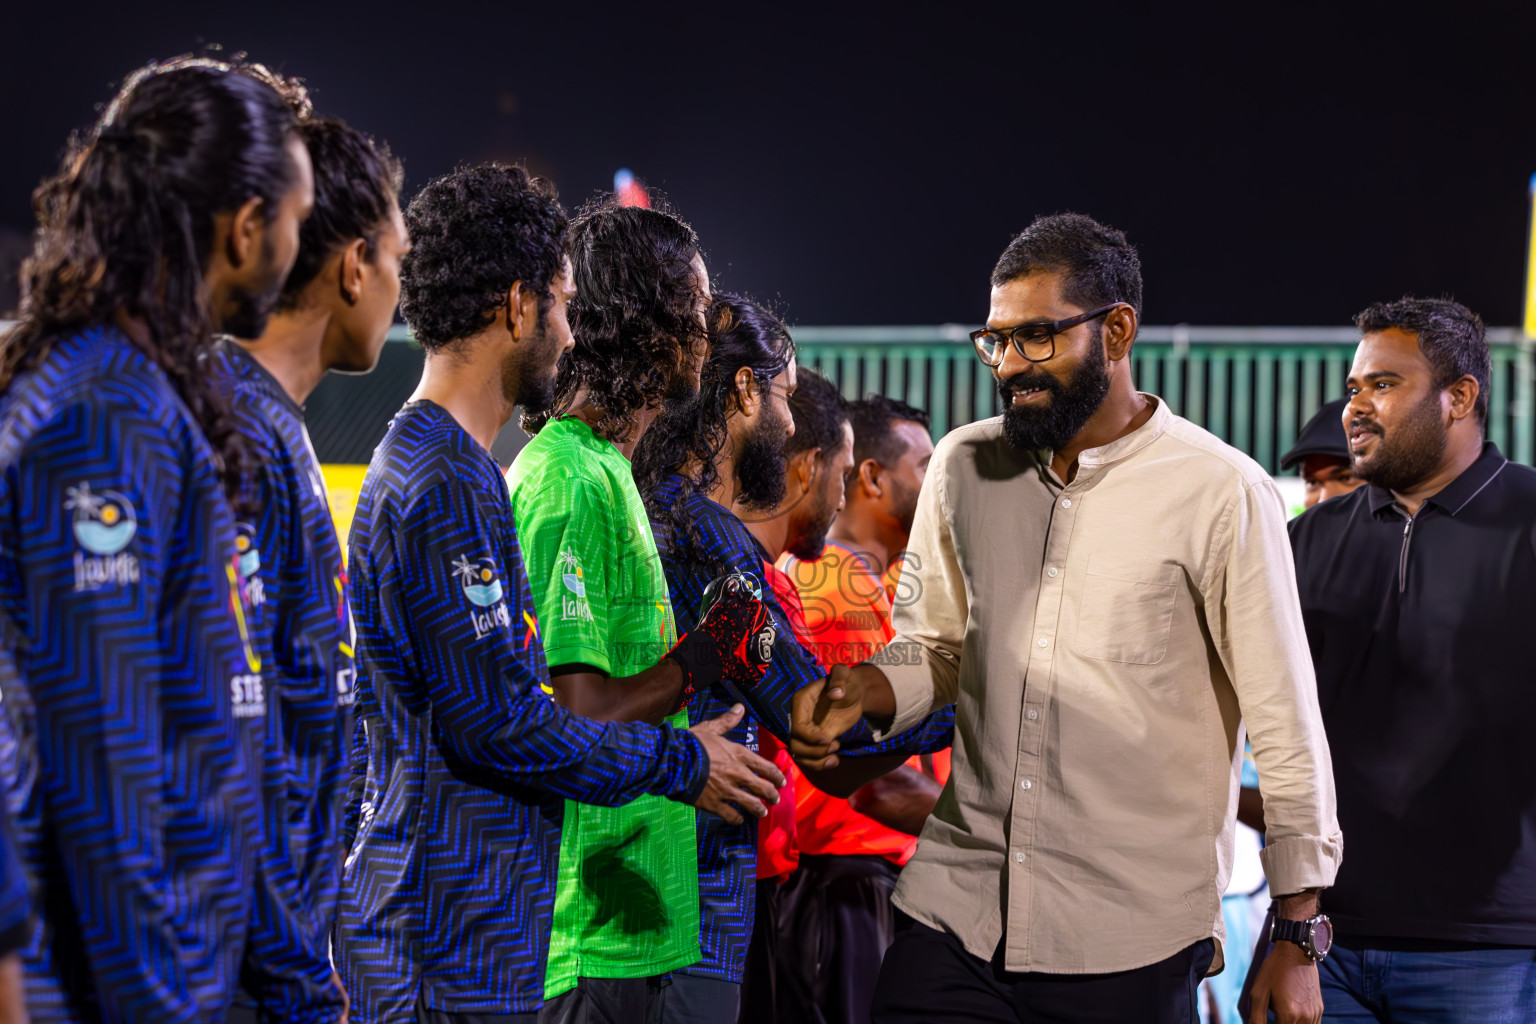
(909, 667)
(1296, 863)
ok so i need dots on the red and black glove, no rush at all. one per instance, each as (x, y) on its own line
(733, 642)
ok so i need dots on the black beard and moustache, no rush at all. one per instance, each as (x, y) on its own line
(811, 542)
(1410, 454)
(760, 463)
(529, 380)
(904, 505)
(252, 310)
(1051, 426)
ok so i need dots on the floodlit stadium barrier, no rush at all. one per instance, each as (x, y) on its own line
(1254, 387)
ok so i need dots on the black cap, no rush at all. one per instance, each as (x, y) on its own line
(1323, 435)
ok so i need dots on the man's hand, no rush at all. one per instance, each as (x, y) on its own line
(1287, 980)
(346, 1000)
(13, 1001)
(733, 640)
(820, 713)
(736, 775)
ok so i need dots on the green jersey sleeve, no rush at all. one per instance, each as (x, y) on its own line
(569, 538)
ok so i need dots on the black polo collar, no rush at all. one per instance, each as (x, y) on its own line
(1457, 494)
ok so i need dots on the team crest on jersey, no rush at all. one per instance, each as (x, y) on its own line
(249, 558)
(482, 586)
(104, 524)
(573, 604)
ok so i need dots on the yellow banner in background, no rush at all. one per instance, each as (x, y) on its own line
(1530, 265)
(342, 484)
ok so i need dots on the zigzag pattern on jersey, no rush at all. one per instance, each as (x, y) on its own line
(295, 576)
(448, 889)
(728, 853)
(128, 769)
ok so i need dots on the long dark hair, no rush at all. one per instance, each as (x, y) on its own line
(689, 438)
(127, 224)
(634, 316)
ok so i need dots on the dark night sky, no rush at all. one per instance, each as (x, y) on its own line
(866, 165)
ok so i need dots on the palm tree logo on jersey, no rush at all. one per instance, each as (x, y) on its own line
(478, 578)
(104, 523)
(571, 574)
(248, 557)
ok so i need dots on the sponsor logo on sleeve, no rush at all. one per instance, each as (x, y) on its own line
(573, 603)
(104, 524)
(482, 588)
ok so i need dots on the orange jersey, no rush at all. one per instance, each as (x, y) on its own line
(848, 613)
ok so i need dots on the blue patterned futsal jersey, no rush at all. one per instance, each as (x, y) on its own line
(728, 853)
(448, 891)
(133, 695)
(290, 561)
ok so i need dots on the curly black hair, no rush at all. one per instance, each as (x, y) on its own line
(357, 184)
(687, 438)
(1450, 335)
(1100, 265)
(634, 316)
(474, 234)
(127, 224)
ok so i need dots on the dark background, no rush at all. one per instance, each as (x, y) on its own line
(1276, 164)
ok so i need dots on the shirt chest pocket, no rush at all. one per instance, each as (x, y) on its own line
(1126, 614)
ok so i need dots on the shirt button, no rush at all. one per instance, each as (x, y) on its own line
(1043, 642)
(1051, 572)
(1032, 714)
(1025, 784)
(1066, 502)
(1018, 858)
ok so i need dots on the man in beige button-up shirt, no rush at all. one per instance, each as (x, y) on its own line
(1106, 596)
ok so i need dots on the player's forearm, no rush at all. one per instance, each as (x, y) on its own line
(851, 774)
(648, 696)
(879, 698)
(901, 800)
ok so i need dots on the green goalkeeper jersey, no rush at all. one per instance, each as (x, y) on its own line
(627, 896)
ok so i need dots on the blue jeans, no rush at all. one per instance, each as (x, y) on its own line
(1474, 986)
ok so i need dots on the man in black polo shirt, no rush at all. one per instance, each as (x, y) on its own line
(1419, 596)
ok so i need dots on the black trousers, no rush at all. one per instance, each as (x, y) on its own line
(835, 924)
(929, 977)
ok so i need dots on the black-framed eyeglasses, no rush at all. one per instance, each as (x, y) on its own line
(1035, 342)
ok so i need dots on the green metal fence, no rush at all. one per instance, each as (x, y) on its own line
(1253, 387)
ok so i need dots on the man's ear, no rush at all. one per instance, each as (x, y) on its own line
(807, 467)
(1464, 392)
(246, 229)
(349, 271)
(522, 311)
(1119, 331)
(869, 478)
(748, 394)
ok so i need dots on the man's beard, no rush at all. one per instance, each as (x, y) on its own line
(904, 504)
(760, 462)
(252, 309)
(810, 542)
(529, 379)
(1052, 425)
(1408, 455)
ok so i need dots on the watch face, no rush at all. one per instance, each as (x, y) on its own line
(1322, 935)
